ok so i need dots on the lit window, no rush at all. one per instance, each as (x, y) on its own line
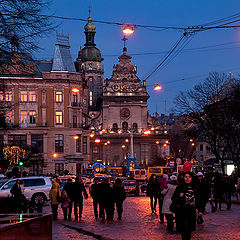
(23, 117)
(32, 117)
(59, 117)
(8, 118)
(8, 96)
(1, 96)
(23, 96)
(59, 96)
(58, 143)
(90, 98)
(32, 96)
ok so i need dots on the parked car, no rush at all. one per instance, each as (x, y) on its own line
(131, 187)
(36, 189)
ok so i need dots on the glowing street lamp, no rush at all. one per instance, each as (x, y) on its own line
(146, 132)
(104, 130)
(157, 142)
(164, 144)
(123, 146)
(75, 90)
(157, 87)
(128, 30)
(91, 135)
(105, 144)
(108, 142)
(55, 155)
(76, 137)
(97, 140)
(193, 144)
(166, 141)
(152, 128)
(126, 140)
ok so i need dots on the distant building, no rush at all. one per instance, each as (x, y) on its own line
(48, 107)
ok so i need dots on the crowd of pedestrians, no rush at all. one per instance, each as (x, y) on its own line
(184, 198)
(105, 198)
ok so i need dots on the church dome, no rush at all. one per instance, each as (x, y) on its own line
(91, 54)
(90, 27)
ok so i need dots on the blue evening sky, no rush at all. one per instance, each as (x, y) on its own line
(192, 66)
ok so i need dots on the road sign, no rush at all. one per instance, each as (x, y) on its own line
(171, 164)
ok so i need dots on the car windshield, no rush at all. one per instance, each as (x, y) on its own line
(2, 181)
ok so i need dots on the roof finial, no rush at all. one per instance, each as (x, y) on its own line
(89, 7)
(124, 45)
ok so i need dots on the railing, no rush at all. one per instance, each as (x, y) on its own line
(76, 104)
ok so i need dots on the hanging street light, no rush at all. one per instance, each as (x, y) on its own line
(128, 30)
(157, 87)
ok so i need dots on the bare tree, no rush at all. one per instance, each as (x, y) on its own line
(207, 110)
(21, 23)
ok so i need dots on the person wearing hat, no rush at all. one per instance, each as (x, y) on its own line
(186, 198)
(167, 193)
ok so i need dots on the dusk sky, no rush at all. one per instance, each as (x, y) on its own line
(211, 50)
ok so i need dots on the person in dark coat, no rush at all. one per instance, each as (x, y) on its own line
(78, 190)
(94, 191)
(218, 190)
(228, 189)
(119, 196)
(68, 188)
(106, 200)
(185, 198)
(153, 190)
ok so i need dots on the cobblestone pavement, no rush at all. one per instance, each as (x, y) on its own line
(137, 223)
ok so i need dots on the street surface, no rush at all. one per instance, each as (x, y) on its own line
(138, 223)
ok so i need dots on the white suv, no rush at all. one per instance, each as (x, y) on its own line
(36, 189)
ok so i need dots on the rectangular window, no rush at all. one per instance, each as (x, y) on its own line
(59, 117)
(59, 96)
(23, 96)
(8, 96)
(59, 169)
(17, 140)
(75, 98)
(32, 96)
(1, 96)
(8, 118)
(32, 117)
(90, 98)
(201, 147)
(84, 144)
(23, 118)
(74, 120)
(36, 143)
(78, 144)
(59, 143)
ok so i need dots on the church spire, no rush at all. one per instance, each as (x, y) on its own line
(90, 31)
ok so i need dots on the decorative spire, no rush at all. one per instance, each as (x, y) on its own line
(89, 7)
(124, 44)
(90, 31)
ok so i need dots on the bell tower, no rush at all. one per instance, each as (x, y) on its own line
(89, 63)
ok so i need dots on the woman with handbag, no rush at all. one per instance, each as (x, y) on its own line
(55, 195)
(65, 203)
(167, 193)
(185, 201)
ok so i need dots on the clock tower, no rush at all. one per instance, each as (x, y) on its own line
(125, 98)
(89, 63)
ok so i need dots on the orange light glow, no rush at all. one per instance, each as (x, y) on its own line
(104, 130)
(76, 137)
(191, 140)
(123, 146)
(97, 140)
(146, 132)
(105, 144)
(164, 144)
(126, 140)
(75, 90)
(157, 87)
(91, 135)
(55, 155)
(128, 30)
(108, 142)
(193, 144)
(152, 128)
(166, 141)
(157, 142)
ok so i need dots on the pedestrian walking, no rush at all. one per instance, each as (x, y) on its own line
(94, 192)
(185, 200)
(163, 185)
(167, 200)
(68, 188)
(228, 189)
(65, 203)
(78, 190)
(106, 200)
(55, 195)
(119, 195)
(218, 190)
(153, 189)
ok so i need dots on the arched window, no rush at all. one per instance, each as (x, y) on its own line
(135, 127)
(115, 127)
(125, 126)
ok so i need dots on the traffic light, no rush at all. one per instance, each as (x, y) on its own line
(20, 163)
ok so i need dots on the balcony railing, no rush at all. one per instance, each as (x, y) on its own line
(76, 104)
